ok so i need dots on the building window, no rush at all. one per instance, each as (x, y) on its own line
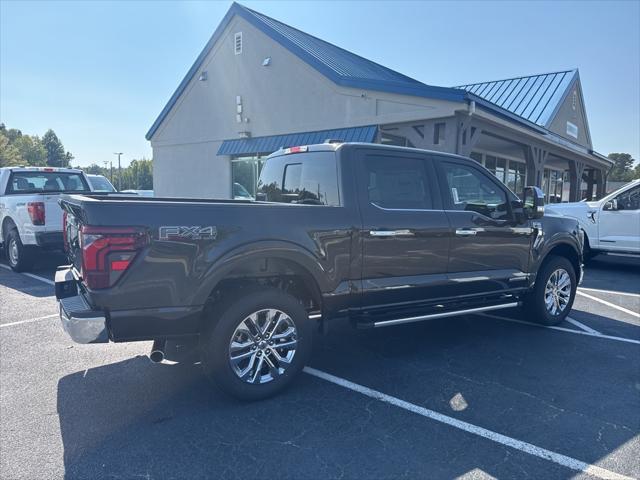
(389, 139)
(245, 172)
(516, 173)
(497, 166)
(553, 185)
(476, 156)
(237, 43)
(438, 133)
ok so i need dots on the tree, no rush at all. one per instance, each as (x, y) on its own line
(56, 154)
(9, 155)
(622, 168)
(31, 150)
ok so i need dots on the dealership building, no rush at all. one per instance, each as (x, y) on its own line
(260, 85)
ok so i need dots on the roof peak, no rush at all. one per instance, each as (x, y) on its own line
(521, 77)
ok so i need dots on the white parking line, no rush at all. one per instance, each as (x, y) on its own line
(610, 292)
(609, 304)
(28, 321)
(582, 326)
(36, 277)
(558, 458)
(561, 329)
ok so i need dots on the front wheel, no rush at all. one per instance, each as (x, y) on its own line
(552, 297)
(257, 344)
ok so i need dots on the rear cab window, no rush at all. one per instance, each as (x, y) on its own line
(46, 182)
(309, 178)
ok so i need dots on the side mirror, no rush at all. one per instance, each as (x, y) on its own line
(611, 205)
(533, 202)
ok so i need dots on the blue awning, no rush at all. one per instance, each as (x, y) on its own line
(267, 145)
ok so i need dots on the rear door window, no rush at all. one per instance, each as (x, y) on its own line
(397, 182)
(308, 179)
(46, 182)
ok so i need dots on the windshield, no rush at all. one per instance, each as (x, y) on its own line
(101, 184)
(46, 182)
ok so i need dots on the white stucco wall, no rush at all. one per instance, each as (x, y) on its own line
(287, 96)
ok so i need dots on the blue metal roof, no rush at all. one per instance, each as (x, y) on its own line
(535, 98)
(267, 145)
(339, 65)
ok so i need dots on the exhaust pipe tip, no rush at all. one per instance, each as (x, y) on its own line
(156, 356)
(157, 351)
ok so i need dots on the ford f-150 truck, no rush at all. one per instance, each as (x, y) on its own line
(30, 217)
(611, 224)
(374, 234)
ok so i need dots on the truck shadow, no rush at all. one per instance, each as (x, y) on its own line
(615, 273)
(133, 419)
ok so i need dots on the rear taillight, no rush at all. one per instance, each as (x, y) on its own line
(107, 252)
(36, 212)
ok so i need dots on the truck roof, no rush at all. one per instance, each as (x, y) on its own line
(335, 145)
(41, 169)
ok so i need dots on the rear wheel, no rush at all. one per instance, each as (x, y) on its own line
(19, 257)
(552, 297)
(260, 341)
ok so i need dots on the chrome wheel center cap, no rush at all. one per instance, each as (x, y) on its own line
(261, 345)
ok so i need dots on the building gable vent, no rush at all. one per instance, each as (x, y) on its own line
(237, 43)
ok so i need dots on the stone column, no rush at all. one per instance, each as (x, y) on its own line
(576, 169)
(467, 134)
(535, 158)
(601, 184)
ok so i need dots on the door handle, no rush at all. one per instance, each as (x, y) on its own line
(466, 232)
(390, 233)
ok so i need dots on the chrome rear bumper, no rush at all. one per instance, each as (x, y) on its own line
(79, 320)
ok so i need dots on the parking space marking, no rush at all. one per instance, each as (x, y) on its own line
(583, 326)
(609, 304)
(28, 321)
(31, 275)
(558, 458)
(610, 292)
(562, 329)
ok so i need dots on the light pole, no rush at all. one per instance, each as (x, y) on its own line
(119, 171)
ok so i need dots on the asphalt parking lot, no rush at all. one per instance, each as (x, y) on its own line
(481, 396)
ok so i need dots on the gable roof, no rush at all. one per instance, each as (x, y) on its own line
(535, 98)
(339, 65)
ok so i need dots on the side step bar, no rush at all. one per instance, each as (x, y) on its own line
(432, 316)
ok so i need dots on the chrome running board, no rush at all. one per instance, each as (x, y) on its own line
(398, 321)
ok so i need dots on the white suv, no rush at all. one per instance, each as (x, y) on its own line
(612, 224)
(30, 216)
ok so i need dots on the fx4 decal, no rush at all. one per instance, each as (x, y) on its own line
(187, 232)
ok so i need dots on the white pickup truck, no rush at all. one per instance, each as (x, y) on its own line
(611, 224)
(30, 217)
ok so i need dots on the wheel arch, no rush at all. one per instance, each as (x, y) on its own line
(566, 250)
(7, 224)
(276, 264)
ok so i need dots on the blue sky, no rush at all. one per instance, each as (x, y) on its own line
(99, 73)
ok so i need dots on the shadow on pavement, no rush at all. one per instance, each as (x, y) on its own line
(133, 419)
(21, 284)
(616, 273)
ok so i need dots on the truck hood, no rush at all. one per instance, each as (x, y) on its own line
(573, 209)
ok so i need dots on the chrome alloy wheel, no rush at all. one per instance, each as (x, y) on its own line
(14, 255)
(263, 346)
(557, 292)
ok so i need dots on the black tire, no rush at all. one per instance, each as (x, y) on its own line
(19, 257)
(534, 304)
(227, 316)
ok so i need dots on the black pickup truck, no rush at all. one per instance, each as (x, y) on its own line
(374, 234)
